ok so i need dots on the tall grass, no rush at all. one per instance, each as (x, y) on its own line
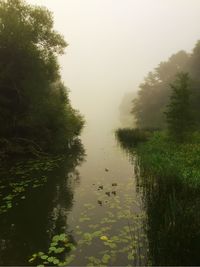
(132, 136)
(165, 158)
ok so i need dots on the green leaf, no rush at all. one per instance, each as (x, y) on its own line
(59, 250)
(62, 237)
(106, 258)
(44, 257)
(56, 261)
(52, 249)
(56, 238)
(53, 244)
(40, 254)
(51, 259)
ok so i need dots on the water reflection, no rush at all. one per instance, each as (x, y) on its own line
(42, 212)
(173, 221)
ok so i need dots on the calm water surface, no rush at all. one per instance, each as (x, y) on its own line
(94, 200)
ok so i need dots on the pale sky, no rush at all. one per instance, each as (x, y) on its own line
(113, 44)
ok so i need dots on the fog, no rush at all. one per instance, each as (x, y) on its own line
(113, 44)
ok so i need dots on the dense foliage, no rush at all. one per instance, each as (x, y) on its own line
(154, 93)
(170, 176)
(35, 112)
(179, 111)
(173, 216)
(164, 158)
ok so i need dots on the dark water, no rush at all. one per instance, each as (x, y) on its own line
(93, 199)
(110, 209)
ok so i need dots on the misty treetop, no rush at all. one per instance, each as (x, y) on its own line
(154, 93)
(35, 110)
(179, 112)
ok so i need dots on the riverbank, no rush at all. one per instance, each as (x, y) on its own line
(169, 175)
(161, 156)
(165, 158)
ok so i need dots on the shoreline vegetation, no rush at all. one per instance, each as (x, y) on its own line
(167, 115)
(167, 158)
(168, 174)
(35, 110)
(159, 155)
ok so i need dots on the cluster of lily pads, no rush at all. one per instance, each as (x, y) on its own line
(119, 232)
(60, 244)
(22, 176)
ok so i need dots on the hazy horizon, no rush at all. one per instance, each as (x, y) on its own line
(113, 44)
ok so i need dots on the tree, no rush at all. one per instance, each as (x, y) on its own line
(179, 114)
(154, 92)
(34, 103)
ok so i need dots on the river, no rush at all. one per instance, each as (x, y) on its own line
(95, 201)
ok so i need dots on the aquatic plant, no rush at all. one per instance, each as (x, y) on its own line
(23, 176)
(59, 245)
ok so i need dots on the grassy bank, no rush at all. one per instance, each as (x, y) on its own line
(159, 155)
(164, 158)
(169, 175)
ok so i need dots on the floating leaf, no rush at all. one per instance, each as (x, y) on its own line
(40, 254)
(44, 257)
(104, 238)
(53, 244)
(56, 261)
(59, 250)
(56, 238)
(51, 259)
(62, 237)
(106, 258)
(52, 249)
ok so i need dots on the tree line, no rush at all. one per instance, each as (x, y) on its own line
(35, 110)
(156, 94)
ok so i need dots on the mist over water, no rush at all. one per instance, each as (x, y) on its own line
(113, 44)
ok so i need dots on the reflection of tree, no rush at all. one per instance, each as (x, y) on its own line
(173, 221)
(29, 227)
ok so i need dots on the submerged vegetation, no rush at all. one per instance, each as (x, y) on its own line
(35, 110)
